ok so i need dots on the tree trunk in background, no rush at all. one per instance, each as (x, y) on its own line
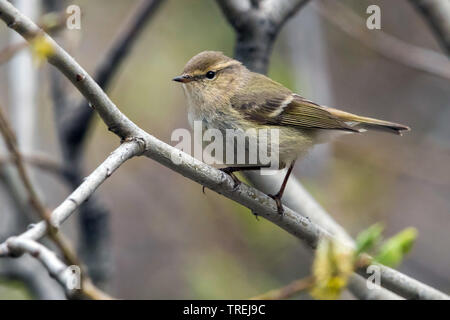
(23, 84)
(23, 89)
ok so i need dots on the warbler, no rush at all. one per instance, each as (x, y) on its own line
(223, 94)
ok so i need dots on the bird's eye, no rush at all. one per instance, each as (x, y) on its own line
(210, 75)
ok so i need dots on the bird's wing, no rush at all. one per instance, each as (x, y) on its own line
(277, 105)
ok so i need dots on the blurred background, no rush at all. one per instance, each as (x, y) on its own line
(171, 241)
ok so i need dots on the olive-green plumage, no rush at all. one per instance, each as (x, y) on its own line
(224, 94)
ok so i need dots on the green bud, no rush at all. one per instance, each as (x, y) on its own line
(394, 249)
(368, 238)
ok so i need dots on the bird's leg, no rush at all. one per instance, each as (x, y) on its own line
(231, 170)
(277, 197)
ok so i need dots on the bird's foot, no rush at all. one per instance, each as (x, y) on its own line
(277, 199)
(229, 171)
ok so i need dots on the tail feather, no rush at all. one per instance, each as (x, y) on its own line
(364, 123)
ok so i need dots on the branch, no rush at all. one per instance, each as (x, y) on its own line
(40, 161)
(14, 221)
(126, 151)
(34, 278)
(56, 268)
(137, 140)
(287, 291)
(8, 52)
(257, 59)
(295, 196)
(73, 123)
(385, 44)
(58, 239)
(437, 14)
(298, 198)
(11, 143)
(48, 258)
(356, 284)
(51, 23)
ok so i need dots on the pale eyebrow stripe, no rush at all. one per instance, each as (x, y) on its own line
(218, 67)
(226, 65)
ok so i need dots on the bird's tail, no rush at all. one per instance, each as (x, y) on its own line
(364, 123)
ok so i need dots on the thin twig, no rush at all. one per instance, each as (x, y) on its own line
(287, 291)
(253, 48)
(42, 162)
(73, 120)
(61, 242)
(11, 144)
(8, 52)
(55, 23)
(124, 152)
(257, 58)
(56, 268)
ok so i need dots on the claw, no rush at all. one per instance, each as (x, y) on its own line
(277, 199)
(237, 182)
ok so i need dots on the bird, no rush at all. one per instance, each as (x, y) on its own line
(222, 93)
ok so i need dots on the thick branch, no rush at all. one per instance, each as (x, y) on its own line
(437, 14)
(73, 120)
(191, 168)
(296, 197)
(257, 59)
(93, 218)
(73, 124)
(8, 52)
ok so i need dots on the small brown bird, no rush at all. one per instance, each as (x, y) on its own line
(223, 94)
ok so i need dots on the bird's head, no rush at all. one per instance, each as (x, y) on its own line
(211, 75)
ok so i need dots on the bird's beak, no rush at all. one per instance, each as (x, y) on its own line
(184, 78)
